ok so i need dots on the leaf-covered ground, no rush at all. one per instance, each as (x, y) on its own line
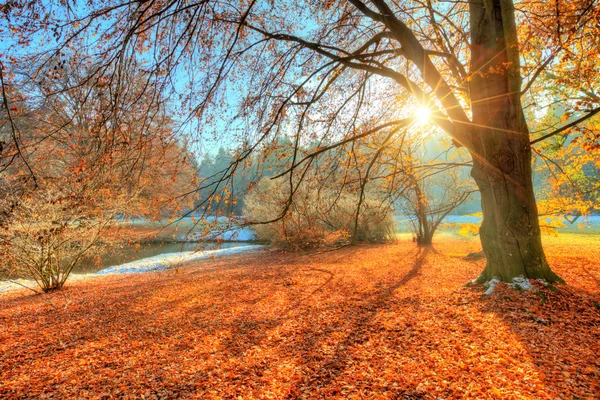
(389, 321)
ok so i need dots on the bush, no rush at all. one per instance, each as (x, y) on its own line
(316, 216)
(47, 236)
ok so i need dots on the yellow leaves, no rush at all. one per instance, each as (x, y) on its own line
(468, 229)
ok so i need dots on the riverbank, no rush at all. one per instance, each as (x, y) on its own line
(386, 321)
(156, 262)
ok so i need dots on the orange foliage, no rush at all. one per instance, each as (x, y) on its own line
(385, 321)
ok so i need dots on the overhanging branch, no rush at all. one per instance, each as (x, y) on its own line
(567, 126)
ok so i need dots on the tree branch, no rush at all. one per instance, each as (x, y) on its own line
(567, 126)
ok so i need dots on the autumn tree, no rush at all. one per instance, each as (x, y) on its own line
(567, 172)
(433, 187)
(87, 169)
(319, 70)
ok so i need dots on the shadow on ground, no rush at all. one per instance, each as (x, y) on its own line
(392, 321)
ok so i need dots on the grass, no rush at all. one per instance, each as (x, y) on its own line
(386, 321)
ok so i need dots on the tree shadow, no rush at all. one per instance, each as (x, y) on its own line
(360, 313)
(229, 323)
(558, 328)
(298, 287)
(355, 324)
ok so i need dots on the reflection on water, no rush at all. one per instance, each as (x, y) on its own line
(127, 254)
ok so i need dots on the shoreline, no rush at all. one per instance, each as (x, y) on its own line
(147, 264)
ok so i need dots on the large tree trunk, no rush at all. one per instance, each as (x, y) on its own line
(510, 232)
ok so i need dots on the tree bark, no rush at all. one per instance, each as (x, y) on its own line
(510, 232)
(426, 239)
(424, 235)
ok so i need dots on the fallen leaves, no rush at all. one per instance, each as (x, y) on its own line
(389, 321)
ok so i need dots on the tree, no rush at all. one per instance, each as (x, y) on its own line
(433, 190)
(422, 175)
(91, 170)
(232, 193)
(51, 230)
(335, 64)
(567, 171)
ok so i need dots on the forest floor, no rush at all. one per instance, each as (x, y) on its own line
(378, 321)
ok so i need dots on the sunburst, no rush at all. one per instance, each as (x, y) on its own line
(422, 115)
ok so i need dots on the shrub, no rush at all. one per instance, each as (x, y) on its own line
(45, 239)
(315, 217)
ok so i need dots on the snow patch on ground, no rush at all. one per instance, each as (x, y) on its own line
(16, 284)
(164, 261)
(521, 283)
(491, 285)
(518, 283)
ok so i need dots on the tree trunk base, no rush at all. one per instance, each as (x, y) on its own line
(423, 241)
(513, 250)
(543, 273)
